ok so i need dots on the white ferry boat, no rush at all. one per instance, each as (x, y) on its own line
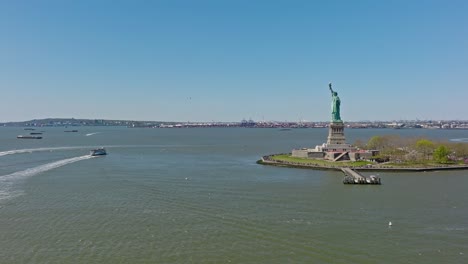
(28, 137)
(98, 152)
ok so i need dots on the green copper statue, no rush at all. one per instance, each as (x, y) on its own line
(335, 106)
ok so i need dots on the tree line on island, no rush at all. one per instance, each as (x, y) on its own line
(396, 149)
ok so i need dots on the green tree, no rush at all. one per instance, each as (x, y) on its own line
(425, 147)
(461, 150)
(441, 154)
(377, 142)
(359, 144)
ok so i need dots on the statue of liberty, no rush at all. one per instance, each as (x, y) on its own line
(335, 106)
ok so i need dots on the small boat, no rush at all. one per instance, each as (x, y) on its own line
(70, 131)
(35, 133)
(28, 137)
(98, 152)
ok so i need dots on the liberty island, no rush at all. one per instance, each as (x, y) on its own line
(335, 153)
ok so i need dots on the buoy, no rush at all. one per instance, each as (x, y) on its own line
(389, 223)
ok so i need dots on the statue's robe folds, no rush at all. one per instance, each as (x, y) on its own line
(336, 108)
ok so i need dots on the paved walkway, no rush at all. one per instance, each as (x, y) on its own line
(352, 173)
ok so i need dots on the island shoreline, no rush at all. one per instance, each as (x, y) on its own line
(265, 160)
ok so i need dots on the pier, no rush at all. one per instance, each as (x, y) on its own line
(354, 177)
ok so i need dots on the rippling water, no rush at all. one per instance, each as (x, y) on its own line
(197, 196)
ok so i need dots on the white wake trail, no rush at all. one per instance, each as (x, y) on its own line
(90, 134)
(45, 167)
(18, 151)
(459, 139)
(7, 181)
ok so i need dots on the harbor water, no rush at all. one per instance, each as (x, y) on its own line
(197, 196)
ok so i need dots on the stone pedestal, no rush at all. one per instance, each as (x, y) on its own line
(336, 134)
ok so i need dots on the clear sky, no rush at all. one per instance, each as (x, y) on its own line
(201, 60)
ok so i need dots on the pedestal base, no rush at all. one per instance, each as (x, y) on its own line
(336, 134)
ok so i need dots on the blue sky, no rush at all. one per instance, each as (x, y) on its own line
(229, 60)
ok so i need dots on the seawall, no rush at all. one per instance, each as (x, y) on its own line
(266, 160)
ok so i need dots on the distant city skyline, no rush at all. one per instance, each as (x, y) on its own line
(226, 61)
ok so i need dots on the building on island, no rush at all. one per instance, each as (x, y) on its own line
(336, 148)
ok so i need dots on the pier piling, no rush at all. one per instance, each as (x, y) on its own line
(354, 177)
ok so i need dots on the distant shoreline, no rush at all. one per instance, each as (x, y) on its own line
(408, 124)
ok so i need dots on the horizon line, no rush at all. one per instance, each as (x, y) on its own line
(215, 121)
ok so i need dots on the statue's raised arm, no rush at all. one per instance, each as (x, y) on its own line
(330, 86)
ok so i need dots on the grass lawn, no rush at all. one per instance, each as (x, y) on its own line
(318, 162)
(411, 165)
(429, 163)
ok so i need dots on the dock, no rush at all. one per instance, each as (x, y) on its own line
(354, 177)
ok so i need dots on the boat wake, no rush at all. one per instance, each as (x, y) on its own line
(45, 167)
(7, 181)
(90, 134)
(459, 139)
(19, 151)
